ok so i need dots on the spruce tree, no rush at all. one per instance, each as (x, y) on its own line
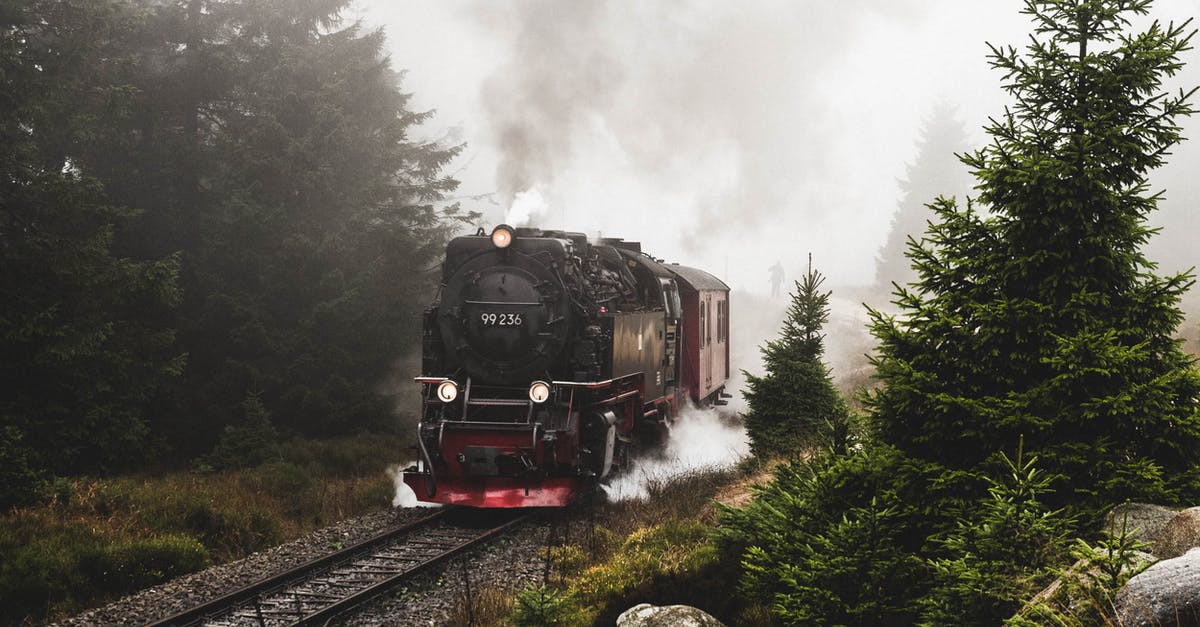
(796, 397)
(935, 171)
(835, 540)
(1040, 316)
(85, 348)
(1001, 554)
(269, 144)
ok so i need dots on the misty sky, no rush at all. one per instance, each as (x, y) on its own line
(722, 135)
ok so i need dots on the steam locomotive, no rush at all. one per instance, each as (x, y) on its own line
(548, 359)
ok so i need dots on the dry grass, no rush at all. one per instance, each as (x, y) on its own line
(488, 607)
(656, 549)
(57, 558)
(685, 497)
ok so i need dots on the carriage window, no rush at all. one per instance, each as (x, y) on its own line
(720, 321)
(708, 329)
(703, 323)
(726, 325)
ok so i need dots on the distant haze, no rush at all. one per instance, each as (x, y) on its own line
(726, 136)
(721, 135)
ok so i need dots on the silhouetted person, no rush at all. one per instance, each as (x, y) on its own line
(776, 279)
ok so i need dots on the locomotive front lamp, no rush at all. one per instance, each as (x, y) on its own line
(539, 391)
(447, 391)
(502, 236)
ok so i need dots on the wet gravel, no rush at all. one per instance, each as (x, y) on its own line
(515, 561)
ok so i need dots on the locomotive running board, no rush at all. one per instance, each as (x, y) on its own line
(499, 492)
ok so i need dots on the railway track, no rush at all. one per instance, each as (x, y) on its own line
(315, 592)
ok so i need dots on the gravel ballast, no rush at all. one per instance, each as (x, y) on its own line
(514, 561)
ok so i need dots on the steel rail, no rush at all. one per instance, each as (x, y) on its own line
(293, 577)
(324, 615)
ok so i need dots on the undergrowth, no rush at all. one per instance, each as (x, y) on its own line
(658, 550)
(92, 540)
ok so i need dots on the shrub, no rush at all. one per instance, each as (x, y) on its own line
(836, 540)
(66, 566)
(36, 573)
(253, 442)
(228, 530)
(279, 477)
(1001, 555)
(1087, 589)
(21, 480)
(673, 562)
(352, 456)
(132, 565)
(376, 494)
(543, 605)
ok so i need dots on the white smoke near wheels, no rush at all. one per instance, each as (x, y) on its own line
(404, 497)
(701, 440)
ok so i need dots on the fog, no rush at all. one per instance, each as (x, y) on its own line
(726, 136)
(722, 135)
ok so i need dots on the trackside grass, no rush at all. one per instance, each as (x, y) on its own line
(93, 540)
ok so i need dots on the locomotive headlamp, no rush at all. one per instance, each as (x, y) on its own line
(539, 391)
(447, 391)
(502, 236)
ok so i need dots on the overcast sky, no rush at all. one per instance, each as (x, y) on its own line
(722, 135)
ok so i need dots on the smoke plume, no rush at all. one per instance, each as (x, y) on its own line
(635, 115)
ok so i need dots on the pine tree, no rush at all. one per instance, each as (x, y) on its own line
(85, 348)
(796, 397)
(936, 171)
(269, 144)
(234, 180)
(1043, 318)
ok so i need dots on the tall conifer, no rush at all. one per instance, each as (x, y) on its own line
(936, 171)
(1040, 316)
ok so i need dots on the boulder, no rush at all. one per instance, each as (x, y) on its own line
(1179, 535)
(1142, 520)
(646, 615)
(1167, 593)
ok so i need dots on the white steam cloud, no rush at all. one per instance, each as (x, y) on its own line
(404, 497)
(528, 208)
(700, 440)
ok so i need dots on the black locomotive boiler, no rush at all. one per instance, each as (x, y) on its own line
(548, 358)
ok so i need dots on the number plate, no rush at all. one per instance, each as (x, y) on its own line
(502, 319)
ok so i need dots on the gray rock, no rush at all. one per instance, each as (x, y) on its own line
(1167, 593)
(1142, 520)
(1180, 535)
(646, 615)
